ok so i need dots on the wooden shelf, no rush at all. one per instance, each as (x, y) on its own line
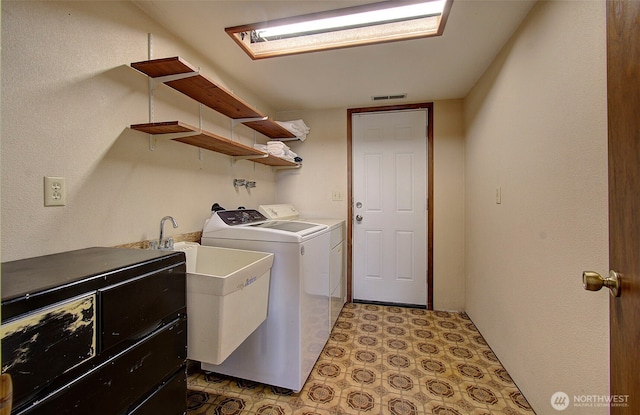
(183, 77)
(211, 141)
(209, 93)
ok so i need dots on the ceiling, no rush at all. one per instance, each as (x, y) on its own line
(427, 69)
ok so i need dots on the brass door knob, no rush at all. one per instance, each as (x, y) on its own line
(592, 281)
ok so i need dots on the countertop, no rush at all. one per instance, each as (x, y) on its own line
(43, 280)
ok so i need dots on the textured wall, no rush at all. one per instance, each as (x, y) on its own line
(536, 127)
(448, 215)
(325, 157)
(68, 96)
(324, 170)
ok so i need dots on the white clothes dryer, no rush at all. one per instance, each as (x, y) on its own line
(338, 252)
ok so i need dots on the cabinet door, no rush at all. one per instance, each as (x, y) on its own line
(138, 306)
(170, 398)
(337, 267)
(38, 347)
(337, 276)
(128, 377)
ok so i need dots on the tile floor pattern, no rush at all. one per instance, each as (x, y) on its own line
(380, 360)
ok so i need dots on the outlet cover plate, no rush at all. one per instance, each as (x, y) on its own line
(55, 191)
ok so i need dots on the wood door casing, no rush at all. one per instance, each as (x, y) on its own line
(390, 192)
(623, 90)
(430, 158)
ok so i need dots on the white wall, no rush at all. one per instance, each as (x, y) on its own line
(536, 127)
(324, 165)
(448, 198)
(68, 96)
(324, 170)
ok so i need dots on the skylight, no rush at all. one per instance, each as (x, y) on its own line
(386, 21)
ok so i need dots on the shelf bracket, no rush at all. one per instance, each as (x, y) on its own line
(173, 136)
(169, 78)
(252, 157)
(236, 121)
(276, 168)
(153, 138)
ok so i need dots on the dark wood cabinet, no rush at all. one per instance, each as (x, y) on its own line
(138, 306)
(98, 330)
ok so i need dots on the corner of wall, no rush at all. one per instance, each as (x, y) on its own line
(448, 244)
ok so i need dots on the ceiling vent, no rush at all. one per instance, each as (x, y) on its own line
(388, 97)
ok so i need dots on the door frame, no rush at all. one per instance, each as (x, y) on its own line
(424, 105)
(623, 34)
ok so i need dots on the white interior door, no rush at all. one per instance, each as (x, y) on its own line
(389, 151)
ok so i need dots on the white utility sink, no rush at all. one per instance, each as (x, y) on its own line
(227, 298)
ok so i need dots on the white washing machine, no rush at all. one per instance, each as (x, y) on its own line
(283, 349)
(338, 254)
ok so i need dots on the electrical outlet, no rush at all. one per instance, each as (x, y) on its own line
(498, 195)
(55, 191)
(336, 196)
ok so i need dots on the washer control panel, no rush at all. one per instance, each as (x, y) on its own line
(241, 217)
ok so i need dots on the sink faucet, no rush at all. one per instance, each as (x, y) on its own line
(162, 243)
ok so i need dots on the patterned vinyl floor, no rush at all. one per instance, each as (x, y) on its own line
(380, 360)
